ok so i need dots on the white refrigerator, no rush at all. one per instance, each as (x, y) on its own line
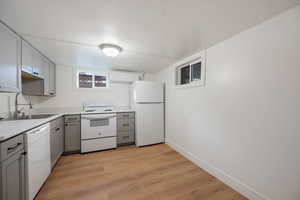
(148, 103)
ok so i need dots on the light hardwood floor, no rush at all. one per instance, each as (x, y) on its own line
(129, 173)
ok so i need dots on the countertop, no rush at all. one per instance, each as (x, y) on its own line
(11, 128)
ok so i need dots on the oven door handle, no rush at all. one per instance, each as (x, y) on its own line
(95, 118)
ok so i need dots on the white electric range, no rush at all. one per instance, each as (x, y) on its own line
(98, 128)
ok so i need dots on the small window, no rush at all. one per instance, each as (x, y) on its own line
(185, 75)
(196, 71)
(85, 80)
(92, 80)
(190, 73)
(100, 81)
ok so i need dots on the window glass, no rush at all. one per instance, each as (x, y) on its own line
(185, 75)
(85, 80)
(100, 81)
(196, 71)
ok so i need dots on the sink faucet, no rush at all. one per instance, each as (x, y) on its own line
(17, 110)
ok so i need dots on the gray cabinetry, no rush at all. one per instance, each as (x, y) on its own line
(52, 79)
(32, 60)
(72, 133)
(46, 73)
(12, 170)
(125, 128)
(57, 139)
(10, 60)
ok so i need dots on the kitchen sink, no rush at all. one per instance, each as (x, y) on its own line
(35, 116)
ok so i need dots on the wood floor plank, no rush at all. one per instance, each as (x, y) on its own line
(149, 173)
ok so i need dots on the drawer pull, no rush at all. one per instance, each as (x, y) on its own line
(14, 147)
(125, 115)
(126, 125)
(57, 129)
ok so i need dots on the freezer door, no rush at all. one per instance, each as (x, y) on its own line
(148, 92)
(149, 124)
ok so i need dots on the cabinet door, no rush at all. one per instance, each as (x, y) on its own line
(52, 79)
(37, 63)
(13, 178)
(46, 75)
(52, 143)
(10, 59)
(27, 60)
(72, 137)
(60, 136)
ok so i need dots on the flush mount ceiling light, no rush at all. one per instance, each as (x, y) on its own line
(110, 50)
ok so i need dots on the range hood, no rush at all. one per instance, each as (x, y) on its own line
(32, 85)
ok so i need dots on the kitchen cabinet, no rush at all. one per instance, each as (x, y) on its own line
(32, 60)
(56, 139)
(12, 169)
(37, 63)
(10, 60)
(46, 73)
(72, 133)
(52, 79)
(125, 128)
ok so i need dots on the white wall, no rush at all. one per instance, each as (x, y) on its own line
(70, 96)
(244, 124)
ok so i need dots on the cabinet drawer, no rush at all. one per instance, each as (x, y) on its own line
(127, 115)
(125, 124)
(11, 146)
(125, 137)
(72, 118)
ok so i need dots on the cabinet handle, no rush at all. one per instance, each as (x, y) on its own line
(14, 147)
(125, 115)
(57, 129)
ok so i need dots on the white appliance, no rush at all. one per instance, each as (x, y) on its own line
(38, 161)
(148, 103)
(98, 128)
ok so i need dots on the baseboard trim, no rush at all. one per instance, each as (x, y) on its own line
(232, 182)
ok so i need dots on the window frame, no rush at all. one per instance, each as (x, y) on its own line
(192, 83)
(93, 73)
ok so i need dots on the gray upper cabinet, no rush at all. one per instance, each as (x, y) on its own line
(27, 58)
(32, 60)
(37, 63)
(46, 73)
(52, 79)
(10, 60)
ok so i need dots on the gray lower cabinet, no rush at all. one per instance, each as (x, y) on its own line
(10, 60)
(72, 133)
(12, 168)
(125, 128)
(57, 139)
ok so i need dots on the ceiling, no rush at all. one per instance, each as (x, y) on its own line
(153, 34)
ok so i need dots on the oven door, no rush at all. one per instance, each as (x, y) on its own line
(98, 126)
